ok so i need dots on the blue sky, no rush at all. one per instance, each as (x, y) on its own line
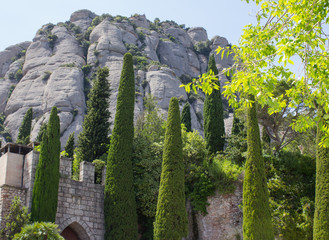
(20, 19)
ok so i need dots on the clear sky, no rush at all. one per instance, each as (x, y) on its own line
(20, 19)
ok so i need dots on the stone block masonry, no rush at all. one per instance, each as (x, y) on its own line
(80, 203)
(7, 194)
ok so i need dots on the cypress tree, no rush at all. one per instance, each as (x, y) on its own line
(321, 216)
(119, 203)
(93, 140)
(69, 147)
(257, 222)
(186, 117)
(25, 129)
(45, 190)
(42, 130)
(171, 217)
(213, 117)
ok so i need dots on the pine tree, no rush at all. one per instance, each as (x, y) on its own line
(257, 222)
(213, 117)
(321, 216)
(25, 129)
(45, 190)
(69, 147)
(186, 117)
(93, 140)
(119, 203)
(171, 217)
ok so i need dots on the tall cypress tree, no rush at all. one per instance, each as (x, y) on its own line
(213, 117)
(321, 216)
(69, 146)
(186, 117)
(93, 140)
(42, 130)
(257, 221)
(119, 203)
(25, 129)
(171, 217)
(45, 190)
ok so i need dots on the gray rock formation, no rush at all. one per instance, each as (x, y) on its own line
(50, 71)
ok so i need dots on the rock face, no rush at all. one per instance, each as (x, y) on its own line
(224, 218)
(51, 70)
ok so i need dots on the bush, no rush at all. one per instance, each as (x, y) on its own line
(46, 75)
(225, 173)
(203, 47)
(99, 165)
(18, 216)
(39, 231)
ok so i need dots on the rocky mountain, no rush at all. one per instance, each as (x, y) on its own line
(58, 66)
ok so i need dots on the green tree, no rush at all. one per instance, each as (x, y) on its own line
(186, 117)
(257, 222)
(119, 202)
(42, 130)
(93, 140)
(45, 189)
(321, 217)
(213, 118)
(171, 217)
(147, 160)
(69, 147)
(17, 217)
(25, 129)
(39, 231)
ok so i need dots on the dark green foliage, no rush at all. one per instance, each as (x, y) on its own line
(25, 129)
(236, 149)
(39, 231)
(69, 147)
(45, 190)
(51, 40)
(93, 140)
(224, 173)
(186, 117)
(291, 183)
(257, 222)
(147, 160)
(19, 74)
(3, 130)
(171, 217)
(99, 165)
(321, 216)
(203, 47)
(42, 131)
(119, 203)
(213, 122)
(17, 217)
(11, 89)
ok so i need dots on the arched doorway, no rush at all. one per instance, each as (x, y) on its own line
(69, 234)
(75, 232)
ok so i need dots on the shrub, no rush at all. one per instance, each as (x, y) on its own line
(46, 75)
(203, 47)
(39, 231)
(225, 173)
(17, 217)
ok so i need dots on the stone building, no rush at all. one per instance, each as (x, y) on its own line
(80, 203)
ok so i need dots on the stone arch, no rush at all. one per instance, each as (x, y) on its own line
(82, 229)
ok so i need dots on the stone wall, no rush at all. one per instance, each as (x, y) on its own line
(80, 203)
(224, 218)
(7, 194)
